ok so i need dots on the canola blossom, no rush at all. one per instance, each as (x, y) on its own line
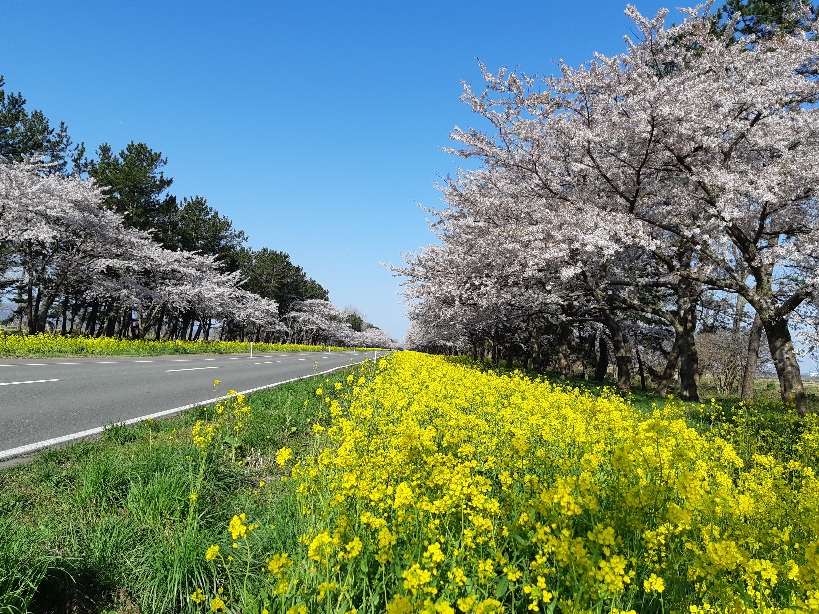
(435, 487)
(45, 344)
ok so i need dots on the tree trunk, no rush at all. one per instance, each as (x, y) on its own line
(622, 353)
(670, 368)
(752, 360)
(689, 360)
(64, 327)
(172, 330)
(564, 361)
(640, 369)
(689, 365)
(75, 309)
(41, 309)
(111, 322)
(787, 368)
(602, 360)
(30, 307)
(125, 325)
(92, 319)
(160, 320)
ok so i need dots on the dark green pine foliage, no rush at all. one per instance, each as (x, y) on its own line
(271, 274)
(26, 133)
(764, 17)
(197, 227)
(134, 185)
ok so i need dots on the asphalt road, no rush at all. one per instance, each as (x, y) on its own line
(48, 401)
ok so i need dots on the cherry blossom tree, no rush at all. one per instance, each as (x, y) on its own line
(685, 165)
(316, 321)
(64, 243)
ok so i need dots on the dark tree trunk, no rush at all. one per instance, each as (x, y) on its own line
(564, 359)
(92, 319)
(752, 360)
(64, 328)
(75, 309)
(160, 320)
(127, 318)
(670, 368)
(41, 309)
(689, 366)
(172, 331)
(30, 306)
(602, 359)
(640, 369)
(111, 323)
(787, 368)
(622, 353)
(689, 360)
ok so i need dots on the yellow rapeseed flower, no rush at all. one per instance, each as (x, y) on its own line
(197, 596)
(654, 584)
(283, 455)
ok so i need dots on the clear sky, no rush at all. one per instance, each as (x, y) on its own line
(315, 127)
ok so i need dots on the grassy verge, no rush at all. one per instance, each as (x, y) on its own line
(123, 522)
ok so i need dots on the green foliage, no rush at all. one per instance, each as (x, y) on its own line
(355, 321)
(26, 133)
(134, 185)
(271, 274)
(764, 17)
(196, 227)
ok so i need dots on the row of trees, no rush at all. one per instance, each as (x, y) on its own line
(99, 247)
(646, 206)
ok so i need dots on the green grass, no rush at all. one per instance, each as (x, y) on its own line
(108, 525)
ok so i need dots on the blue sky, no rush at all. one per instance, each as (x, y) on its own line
(315, 127)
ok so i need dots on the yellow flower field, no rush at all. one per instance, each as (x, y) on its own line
(435, 487)
(45, 344)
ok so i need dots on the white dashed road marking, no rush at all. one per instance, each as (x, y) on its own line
(191, 369)
(31, 381)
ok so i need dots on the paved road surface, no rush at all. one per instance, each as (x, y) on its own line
(46, 399)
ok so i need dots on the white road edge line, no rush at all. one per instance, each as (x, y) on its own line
(190, 369)
(31, 381)
(33, 447)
